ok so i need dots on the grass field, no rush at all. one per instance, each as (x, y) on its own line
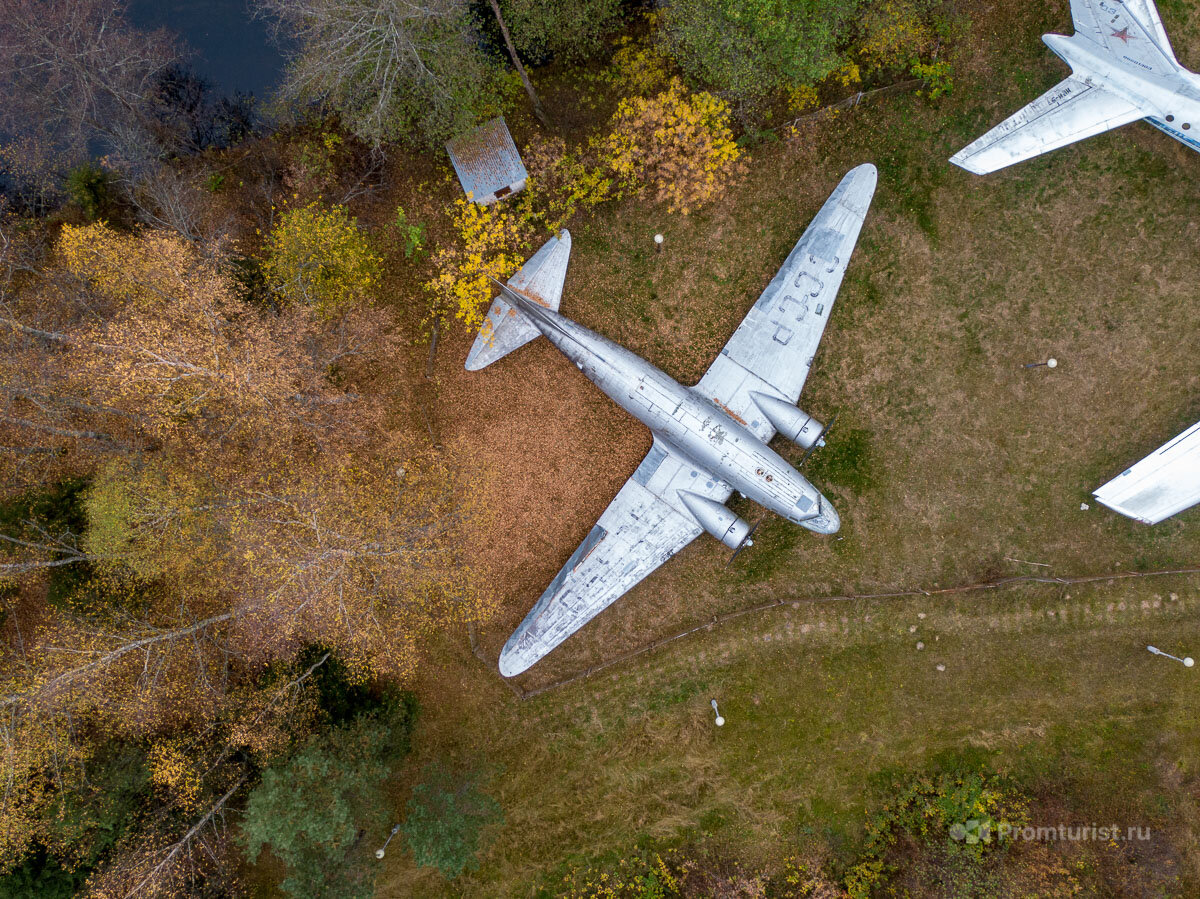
(949, 461)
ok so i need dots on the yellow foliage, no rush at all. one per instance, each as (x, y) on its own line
(491, 244)
(317, 256)
(149, 517)
(849, 75)
(144, 269)
(173, 770)
(936, 76)
(561, 183)
(639, 67)
(359, 555)
(637, 876)
(30, 743)
(171, 344)
(801, 98)
(896, 34)
(677, 144)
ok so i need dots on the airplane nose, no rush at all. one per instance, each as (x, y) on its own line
(828, 522)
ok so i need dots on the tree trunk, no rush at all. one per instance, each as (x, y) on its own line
(512, 51)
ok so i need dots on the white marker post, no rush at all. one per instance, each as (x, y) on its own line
(382, 850)
(1049, 363)
(1187, 662)
(720, 720)
(658, 242)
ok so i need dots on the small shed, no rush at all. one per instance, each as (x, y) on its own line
(487, 162)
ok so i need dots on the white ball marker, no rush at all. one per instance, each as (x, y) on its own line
(1187, 662)
(720, 721)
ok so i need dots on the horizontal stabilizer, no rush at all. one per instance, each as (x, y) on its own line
(1163, 484)
(506, 328)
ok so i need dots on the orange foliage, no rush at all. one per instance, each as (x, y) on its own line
(245, 500)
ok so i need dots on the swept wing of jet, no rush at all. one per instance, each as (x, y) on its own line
(1161, 485)
(743, 400)
(1123, 69)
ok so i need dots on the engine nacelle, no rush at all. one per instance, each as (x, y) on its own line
(793, 423)
(716, 519)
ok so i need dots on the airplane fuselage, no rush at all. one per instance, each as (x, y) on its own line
(689, 423)
(1171, 101)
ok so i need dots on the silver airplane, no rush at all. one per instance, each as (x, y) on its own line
(1122, 70)
(709, 440)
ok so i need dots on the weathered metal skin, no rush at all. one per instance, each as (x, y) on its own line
(709, 440)
(1175, 94)
(689, 423)
(1123, 69)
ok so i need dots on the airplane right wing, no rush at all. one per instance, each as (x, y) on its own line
(644, 526)
(1161, 485)
(1068, 112)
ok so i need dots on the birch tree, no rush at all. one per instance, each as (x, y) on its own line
(76, 70)
(394, 70)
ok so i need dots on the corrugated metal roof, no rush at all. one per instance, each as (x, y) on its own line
(486, 159)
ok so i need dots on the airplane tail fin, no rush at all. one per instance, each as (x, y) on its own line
(506, 328)
(1132, 29)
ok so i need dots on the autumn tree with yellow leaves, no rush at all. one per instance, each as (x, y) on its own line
(244, 499)
(318, 257)
(677, 146)
(492, 242)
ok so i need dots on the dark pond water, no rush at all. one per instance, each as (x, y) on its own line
(231, 48)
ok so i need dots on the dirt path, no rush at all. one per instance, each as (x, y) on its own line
(817, 617)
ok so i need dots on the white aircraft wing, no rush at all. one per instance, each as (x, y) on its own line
(1131, 30)
(772, 350)
(642, 527)
(1068, 112)
(1163, 484)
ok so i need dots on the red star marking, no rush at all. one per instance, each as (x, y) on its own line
(1124, 35)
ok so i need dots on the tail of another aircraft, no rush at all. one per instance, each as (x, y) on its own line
(1131, 33)
(1132, 30)
(506, 328)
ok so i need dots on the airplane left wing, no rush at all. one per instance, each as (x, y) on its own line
(1161, 485)
(1070, 111)
(772, 350)
(642, 528)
